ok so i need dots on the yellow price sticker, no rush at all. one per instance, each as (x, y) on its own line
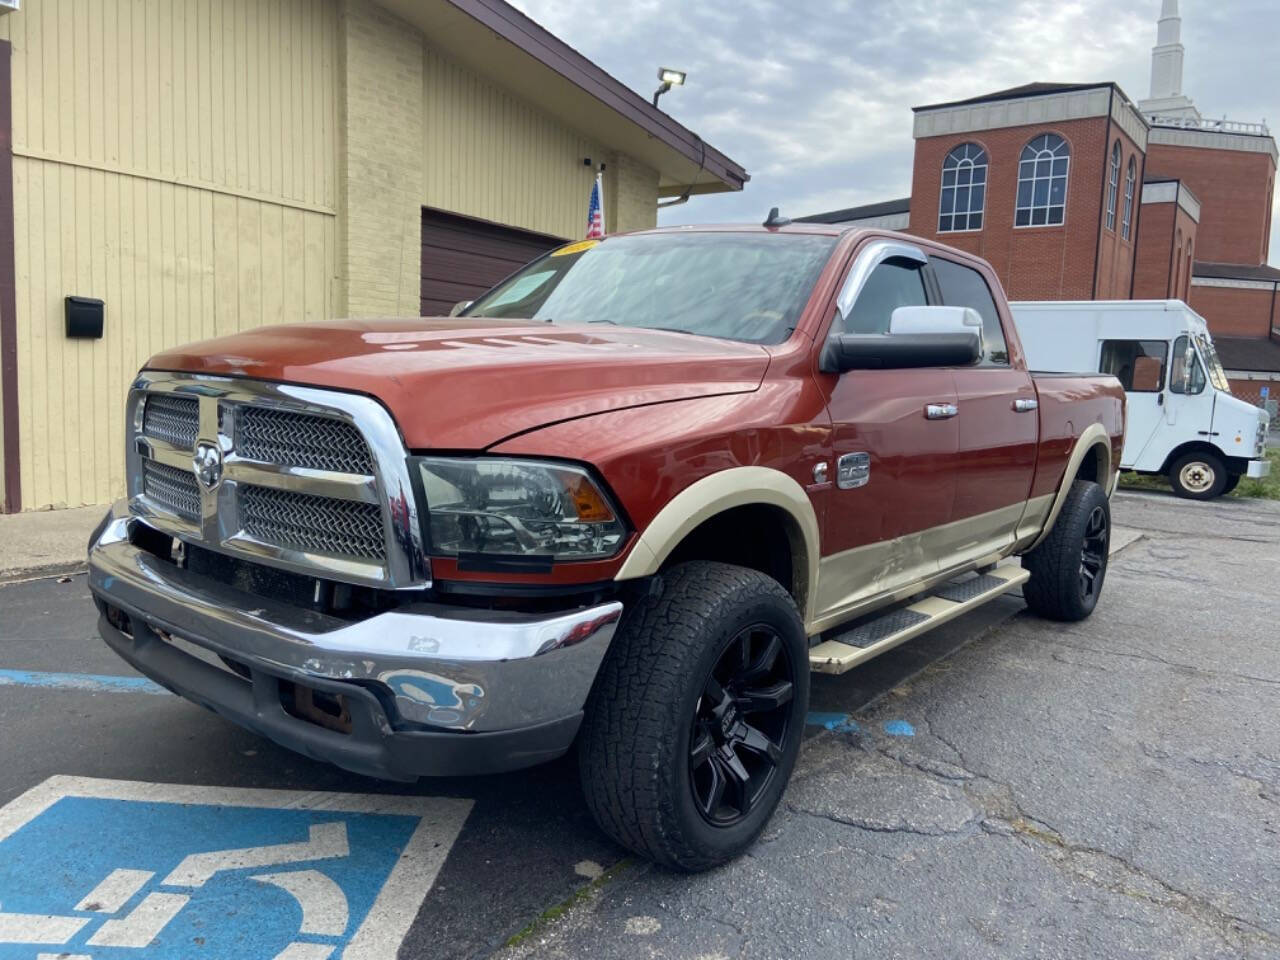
(574, 248)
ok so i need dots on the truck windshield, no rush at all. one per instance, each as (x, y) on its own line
(735, 286)
(1217, 376)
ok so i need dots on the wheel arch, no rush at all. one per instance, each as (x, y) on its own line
(1194, 446)
(1091, 459)
(722, 493)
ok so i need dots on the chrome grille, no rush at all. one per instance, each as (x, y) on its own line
(301, 521)
(171, 418)
(311, 481)
(172, 489)
(300, 440)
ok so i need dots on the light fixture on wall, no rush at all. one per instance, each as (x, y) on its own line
(670, 78)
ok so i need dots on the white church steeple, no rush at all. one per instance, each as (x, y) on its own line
(1166, 98)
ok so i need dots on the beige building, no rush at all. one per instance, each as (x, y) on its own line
(206, 166)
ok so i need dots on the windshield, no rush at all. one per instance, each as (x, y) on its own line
(735, 286)
(1217, 376)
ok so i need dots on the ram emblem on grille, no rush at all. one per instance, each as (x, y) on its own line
(208, 464)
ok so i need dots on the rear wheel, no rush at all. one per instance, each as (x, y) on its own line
(1198, 476)
(695, 722)
(1069, 566)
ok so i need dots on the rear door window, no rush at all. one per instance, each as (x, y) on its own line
(965, 287)
(1137, 364)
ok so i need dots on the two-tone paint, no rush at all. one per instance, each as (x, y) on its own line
(681, 428)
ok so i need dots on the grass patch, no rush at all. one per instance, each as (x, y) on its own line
(1265, 488)
(552, 914)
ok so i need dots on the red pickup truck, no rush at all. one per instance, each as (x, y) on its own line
(627, 499)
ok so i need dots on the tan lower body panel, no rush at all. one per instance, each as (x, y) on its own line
(833, 656)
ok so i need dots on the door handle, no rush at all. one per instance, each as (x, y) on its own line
(1025, 404)
(940, 411)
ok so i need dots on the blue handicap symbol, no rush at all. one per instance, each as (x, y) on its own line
(113, 879)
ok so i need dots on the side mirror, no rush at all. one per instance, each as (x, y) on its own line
(917, 337)
(460, 306)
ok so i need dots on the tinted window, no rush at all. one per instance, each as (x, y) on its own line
(964, 287)
(1186, 375)
(736, 286)
(1138, 364)
(893, 284)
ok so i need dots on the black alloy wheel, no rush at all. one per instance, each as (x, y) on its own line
(1093, 556)
(739, 725)
(1068, 567)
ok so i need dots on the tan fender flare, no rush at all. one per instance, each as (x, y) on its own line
(1094, 436)
(714, 494)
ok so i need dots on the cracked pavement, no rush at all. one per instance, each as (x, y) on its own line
(1104, 789)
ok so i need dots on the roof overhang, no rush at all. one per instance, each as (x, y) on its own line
(500, 43)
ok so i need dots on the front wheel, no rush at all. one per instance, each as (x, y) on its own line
(695, 722)
(1068, 567)
(1198, 476)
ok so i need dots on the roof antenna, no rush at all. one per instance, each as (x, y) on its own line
(775, 219)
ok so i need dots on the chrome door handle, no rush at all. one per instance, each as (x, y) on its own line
(1025, 404)
(940, 411)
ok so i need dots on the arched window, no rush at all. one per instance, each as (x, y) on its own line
(1186, 277)
(1130, 183)
(1177, 267)
(1042, 182)
(1113, 187)
(964, 189)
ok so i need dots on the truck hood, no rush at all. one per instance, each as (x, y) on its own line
(466, 385)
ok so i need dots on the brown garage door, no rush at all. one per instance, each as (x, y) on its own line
(462, 258)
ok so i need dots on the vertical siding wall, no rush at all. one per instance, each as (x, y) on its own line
(176, 158)
(491, 156)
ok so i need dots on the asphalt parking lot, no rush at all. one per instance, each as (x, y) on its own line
(1004, 787)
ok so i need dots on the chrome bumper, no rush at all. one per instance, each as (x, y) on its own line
(451, 670)
(1258, 469)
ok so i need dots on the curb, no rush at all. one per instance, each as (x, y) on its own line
(43, 571)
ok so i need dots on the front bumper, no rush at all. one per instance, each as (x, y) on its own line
(1258, 469)
(431, 690)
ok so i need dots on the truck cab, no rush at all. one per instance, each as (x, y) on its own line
(1183, 422)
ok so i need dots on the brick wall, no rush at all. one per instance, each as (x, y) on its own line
(1033, 263)
(1152, 272)
(631, 195)
(1234, 189)
(1166, 249)
(1235, 312)
(380, 164)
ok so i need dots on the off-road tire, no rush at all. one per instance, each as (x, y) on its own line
(634, 745)
(1055, 589)
(1206, 462)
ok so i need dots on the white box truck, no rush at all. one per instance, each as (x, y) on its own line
(1183, 422)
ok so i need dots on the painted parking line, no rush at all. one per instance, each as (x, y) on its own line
(91, 682)
(110, 870)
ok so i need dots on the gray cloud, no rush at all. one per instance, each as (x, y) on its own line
(814, 99)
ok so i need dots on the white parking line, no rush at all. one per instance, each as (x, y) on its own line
(38, 928)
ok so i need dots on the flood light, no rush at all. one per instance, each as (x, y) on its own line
(670, 78)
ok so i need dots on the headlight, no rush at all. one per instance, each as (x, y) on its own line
(517, 508)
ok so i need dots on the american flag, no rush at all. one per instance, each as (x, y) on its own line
(595, 211)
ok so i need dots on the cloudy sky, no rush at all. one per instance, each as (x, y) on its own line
(814, 98)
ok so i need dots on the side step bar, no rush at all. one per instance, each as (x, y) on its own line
(868, 639)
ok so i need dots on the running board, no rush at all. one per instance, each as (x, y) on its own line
(870, 638)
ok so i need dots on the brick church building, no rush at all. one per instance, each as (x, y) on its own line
(1074, 192)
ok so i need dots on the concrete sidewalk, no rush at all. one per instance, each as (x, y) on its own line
(45, 542)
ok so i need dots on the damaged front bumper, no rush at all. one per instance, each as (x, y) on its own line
(422, 690)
